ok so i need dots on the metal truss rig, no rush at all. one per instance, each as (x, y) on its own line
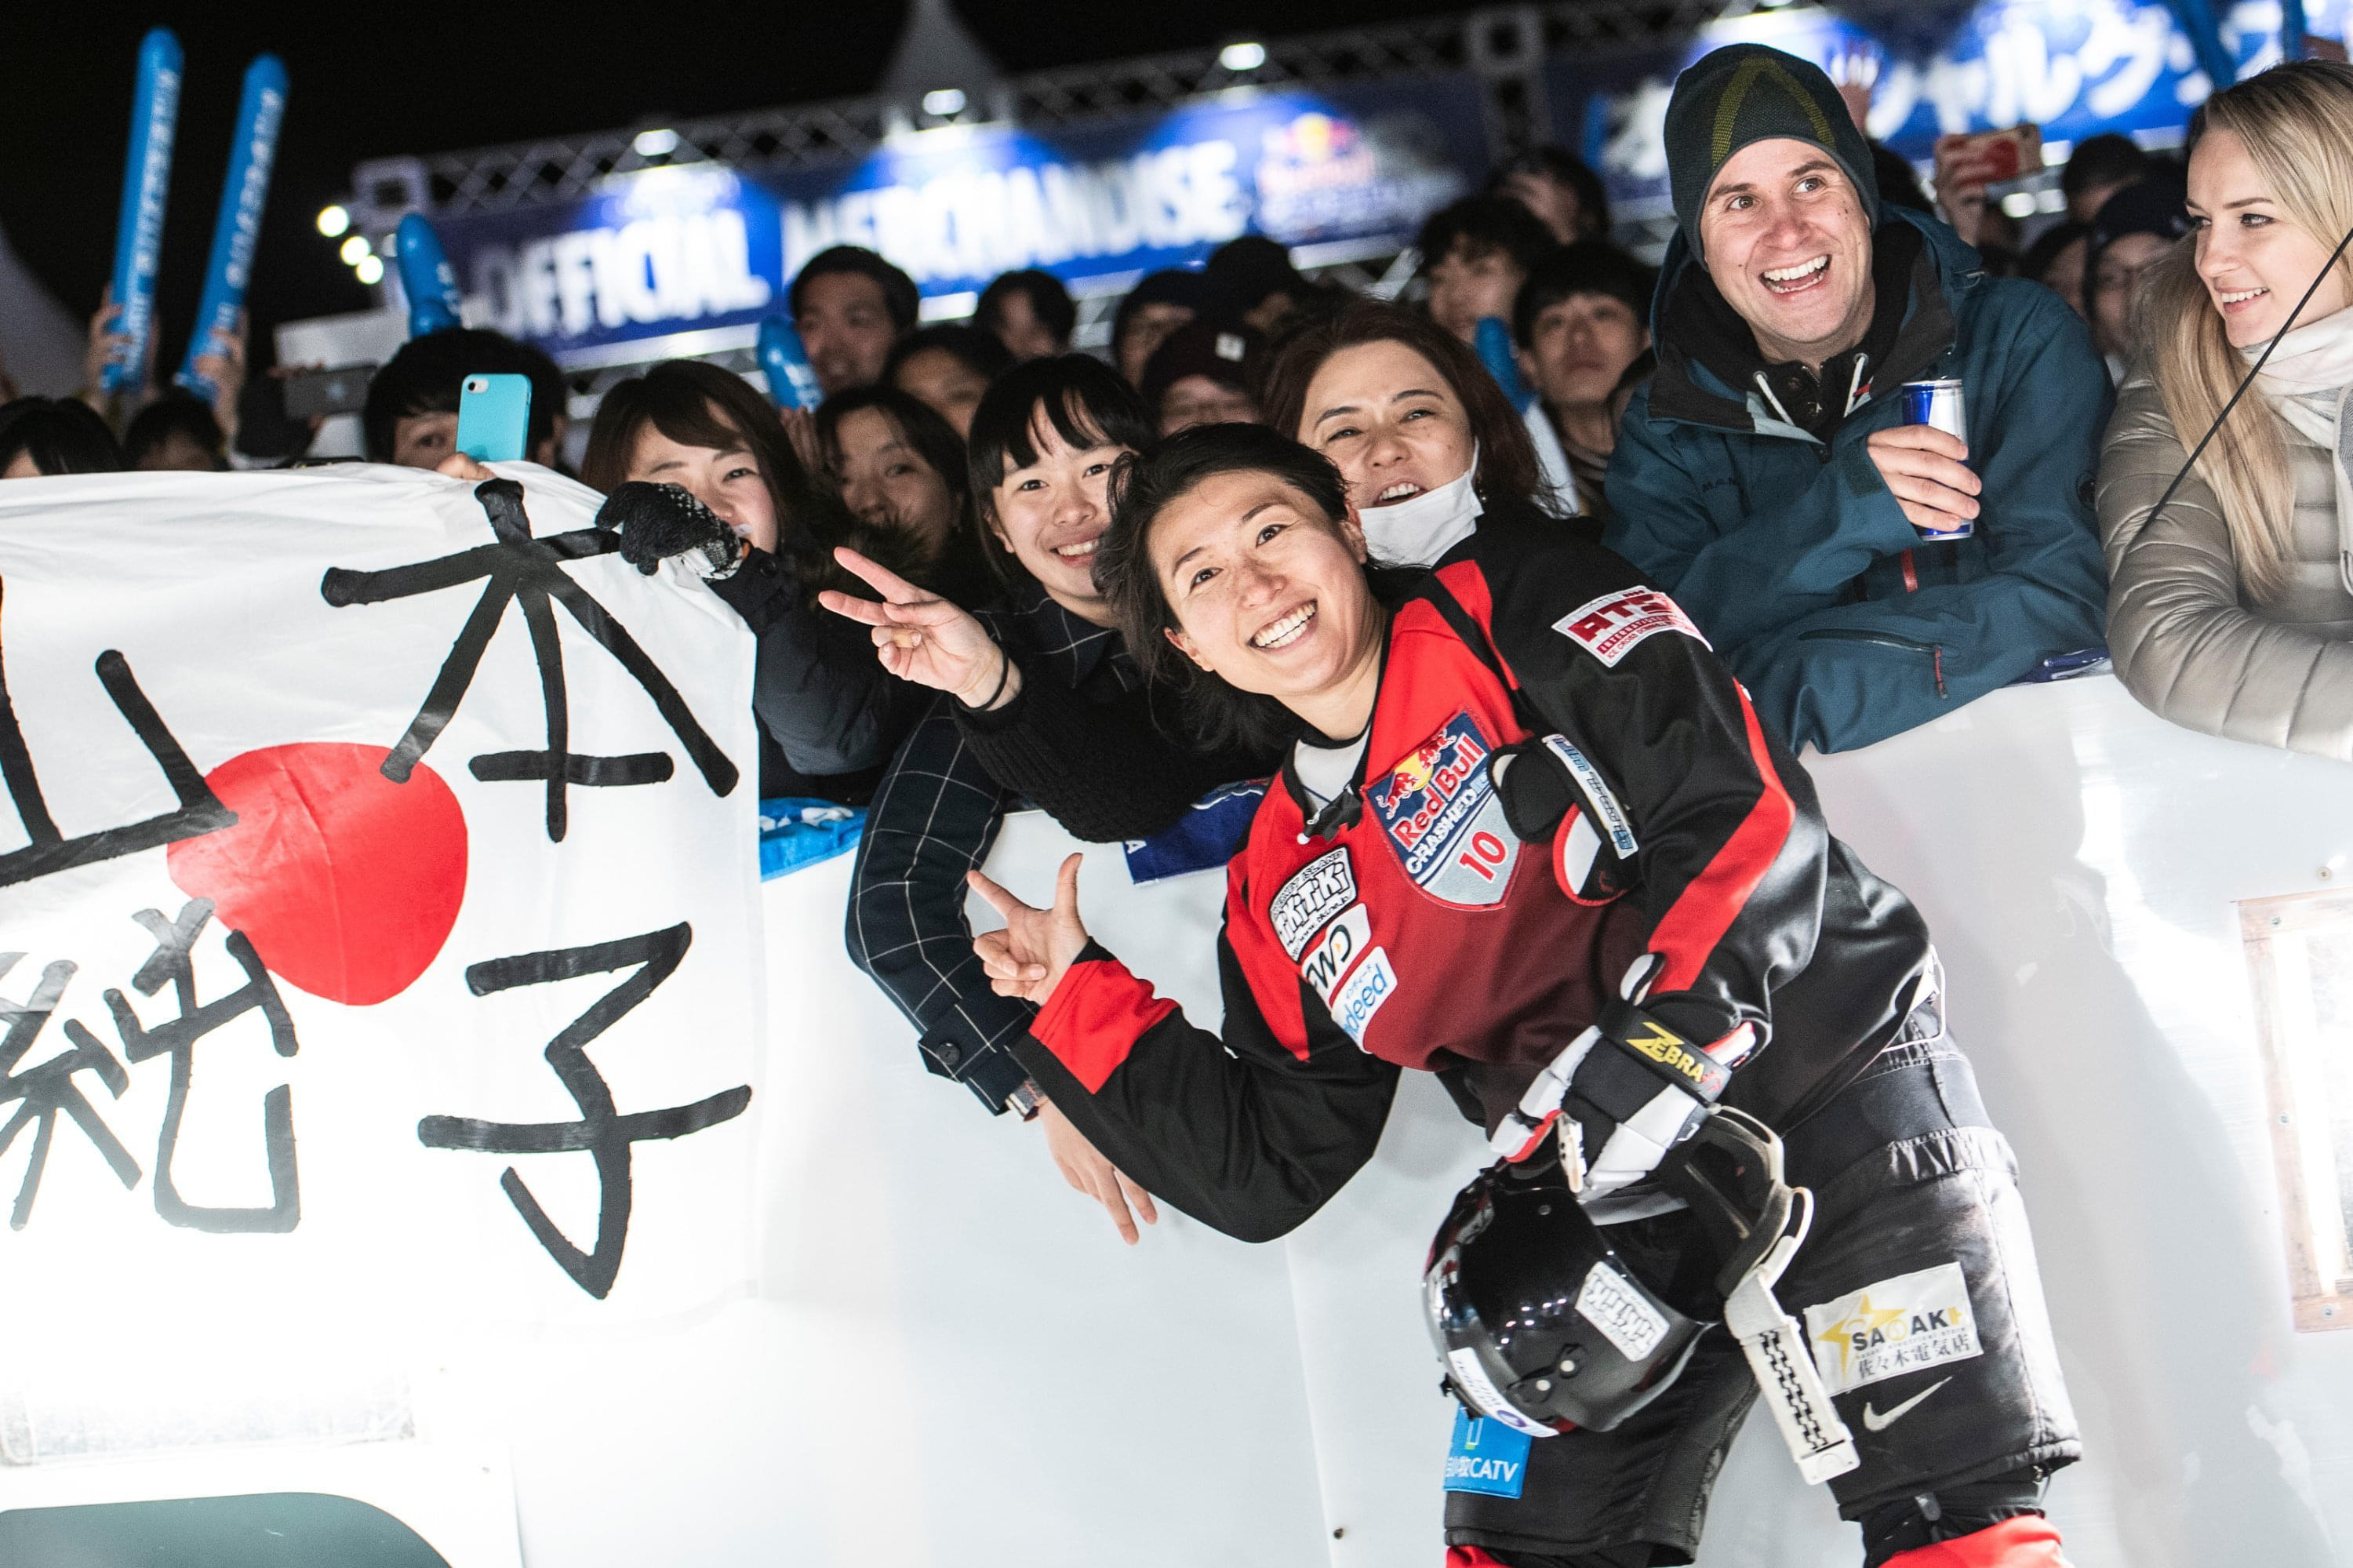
(1505, 46)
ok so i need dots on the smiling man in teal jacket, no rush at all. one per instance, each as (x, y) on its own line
(1766, 475)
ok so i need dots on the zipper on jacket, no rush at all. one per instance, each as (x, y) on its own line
(1935, 650)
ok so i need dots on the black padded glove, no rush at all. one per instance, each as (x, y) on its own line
(1552, 795)
(657, 522)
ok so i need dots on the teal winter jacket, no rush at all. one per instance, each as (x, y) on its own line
(1845, 625)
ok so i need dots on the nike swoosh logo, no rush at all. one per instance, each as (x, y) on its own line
(1878, 1423)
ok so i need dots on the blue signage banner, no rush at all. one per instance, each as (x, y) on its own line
(687, 248)
(2076, 68)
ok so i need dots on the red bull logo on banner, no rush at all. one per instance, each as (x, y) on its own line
(1440, 811)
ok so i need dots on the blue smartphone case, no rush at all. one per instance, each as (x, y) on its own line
(494, 417)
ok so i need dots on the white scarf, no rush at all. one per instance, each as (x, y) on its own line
(2310, 383)
(1417, 531)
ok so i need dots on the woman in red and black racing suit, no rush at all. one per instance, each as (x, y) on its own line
(1396, 906)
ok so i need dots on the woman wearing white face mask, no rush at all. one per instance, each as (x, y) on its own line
(1427, 442)
(2232, 611)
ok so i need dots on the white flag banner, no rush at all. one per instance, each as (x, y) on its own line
(378, 907)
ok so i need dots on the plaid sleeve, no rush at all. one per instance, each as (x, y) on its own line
(933, 819)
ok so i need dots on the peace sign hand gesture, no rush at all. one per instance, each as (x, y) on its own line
(923, 638)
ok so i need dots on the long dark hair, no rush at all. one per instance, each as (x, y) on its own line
(62, 434)
(1143, 489)
(697, 404)
(957, 571)
(1081, 399)
(1507, 458)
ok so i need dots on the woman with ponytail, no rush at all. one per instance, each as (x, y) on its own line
(2230, 605)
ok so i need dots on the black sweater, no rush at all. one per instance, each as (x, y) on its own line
(1084, 739)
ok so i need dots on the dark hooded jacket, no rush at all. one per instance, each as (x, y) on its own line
(1771, 527)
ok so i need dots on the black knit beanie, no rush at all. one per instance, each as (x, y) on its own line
(1747, 92)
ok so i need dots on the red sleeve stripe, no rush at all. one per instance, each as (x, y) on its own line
(1095, 1017)
(1687, 934)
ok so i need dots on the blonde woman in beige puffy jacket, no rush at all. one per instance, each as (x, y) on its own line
(2232, 611)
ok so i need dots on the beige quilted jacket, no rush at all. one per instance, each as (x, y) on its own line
(2186, 641)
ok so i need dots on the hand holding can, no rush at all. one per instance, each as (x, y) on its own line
(1923, 461)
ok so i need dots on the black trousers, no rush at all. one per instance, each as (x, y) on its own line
(1919, 1295)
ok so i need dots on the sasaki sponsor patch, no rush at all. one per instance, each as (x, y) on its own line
(1438, 807)
(1610, 627)
(1316, 892)
(1364, 993)
(1486, 1456)
(1897, 1326)
(1613, 1306)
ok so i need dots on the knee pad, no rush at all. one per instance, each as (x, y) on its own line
(1995, 1523)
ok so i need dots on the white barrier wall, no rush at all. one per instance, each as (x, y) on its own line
(950, 1362)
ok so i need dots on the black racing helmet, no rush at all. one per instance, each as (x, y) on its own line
(1544, 1326)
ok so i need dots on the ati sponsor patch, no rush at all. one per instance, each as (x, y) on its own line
(1365, 992)
(1316, 892)
(1486, 1456)
(1897, 1326)
(1442, 816)
(1610, 627)
(1611, 1304)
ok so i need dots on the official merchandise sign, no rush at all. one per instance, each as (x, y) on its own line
(677, 249)
(378, 922)
(2076, 68)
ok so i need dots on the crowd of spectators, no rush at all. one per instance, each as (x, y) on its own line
(917, 553)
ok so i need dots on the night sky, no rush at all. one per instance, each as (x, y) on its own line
(368, 81)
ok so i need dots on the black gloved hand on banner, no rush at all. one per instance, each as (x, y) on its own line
(657, 522)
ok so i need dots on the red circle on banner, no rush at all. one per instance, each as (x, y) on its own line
(346, 882)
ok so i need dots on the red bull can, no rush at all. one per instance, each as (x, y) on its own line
(1940, 405)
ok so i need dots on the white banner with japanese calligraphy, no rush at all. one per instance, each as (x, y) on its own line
(379, 933)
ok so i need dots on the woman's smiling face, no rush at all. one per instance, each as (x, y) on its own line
(2255, 261)
(1389, 420)
(728, 481)
(1050, 512)
(1268, 593)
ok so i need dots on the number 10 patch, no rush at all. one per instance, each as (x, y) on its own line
(1439, 808)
